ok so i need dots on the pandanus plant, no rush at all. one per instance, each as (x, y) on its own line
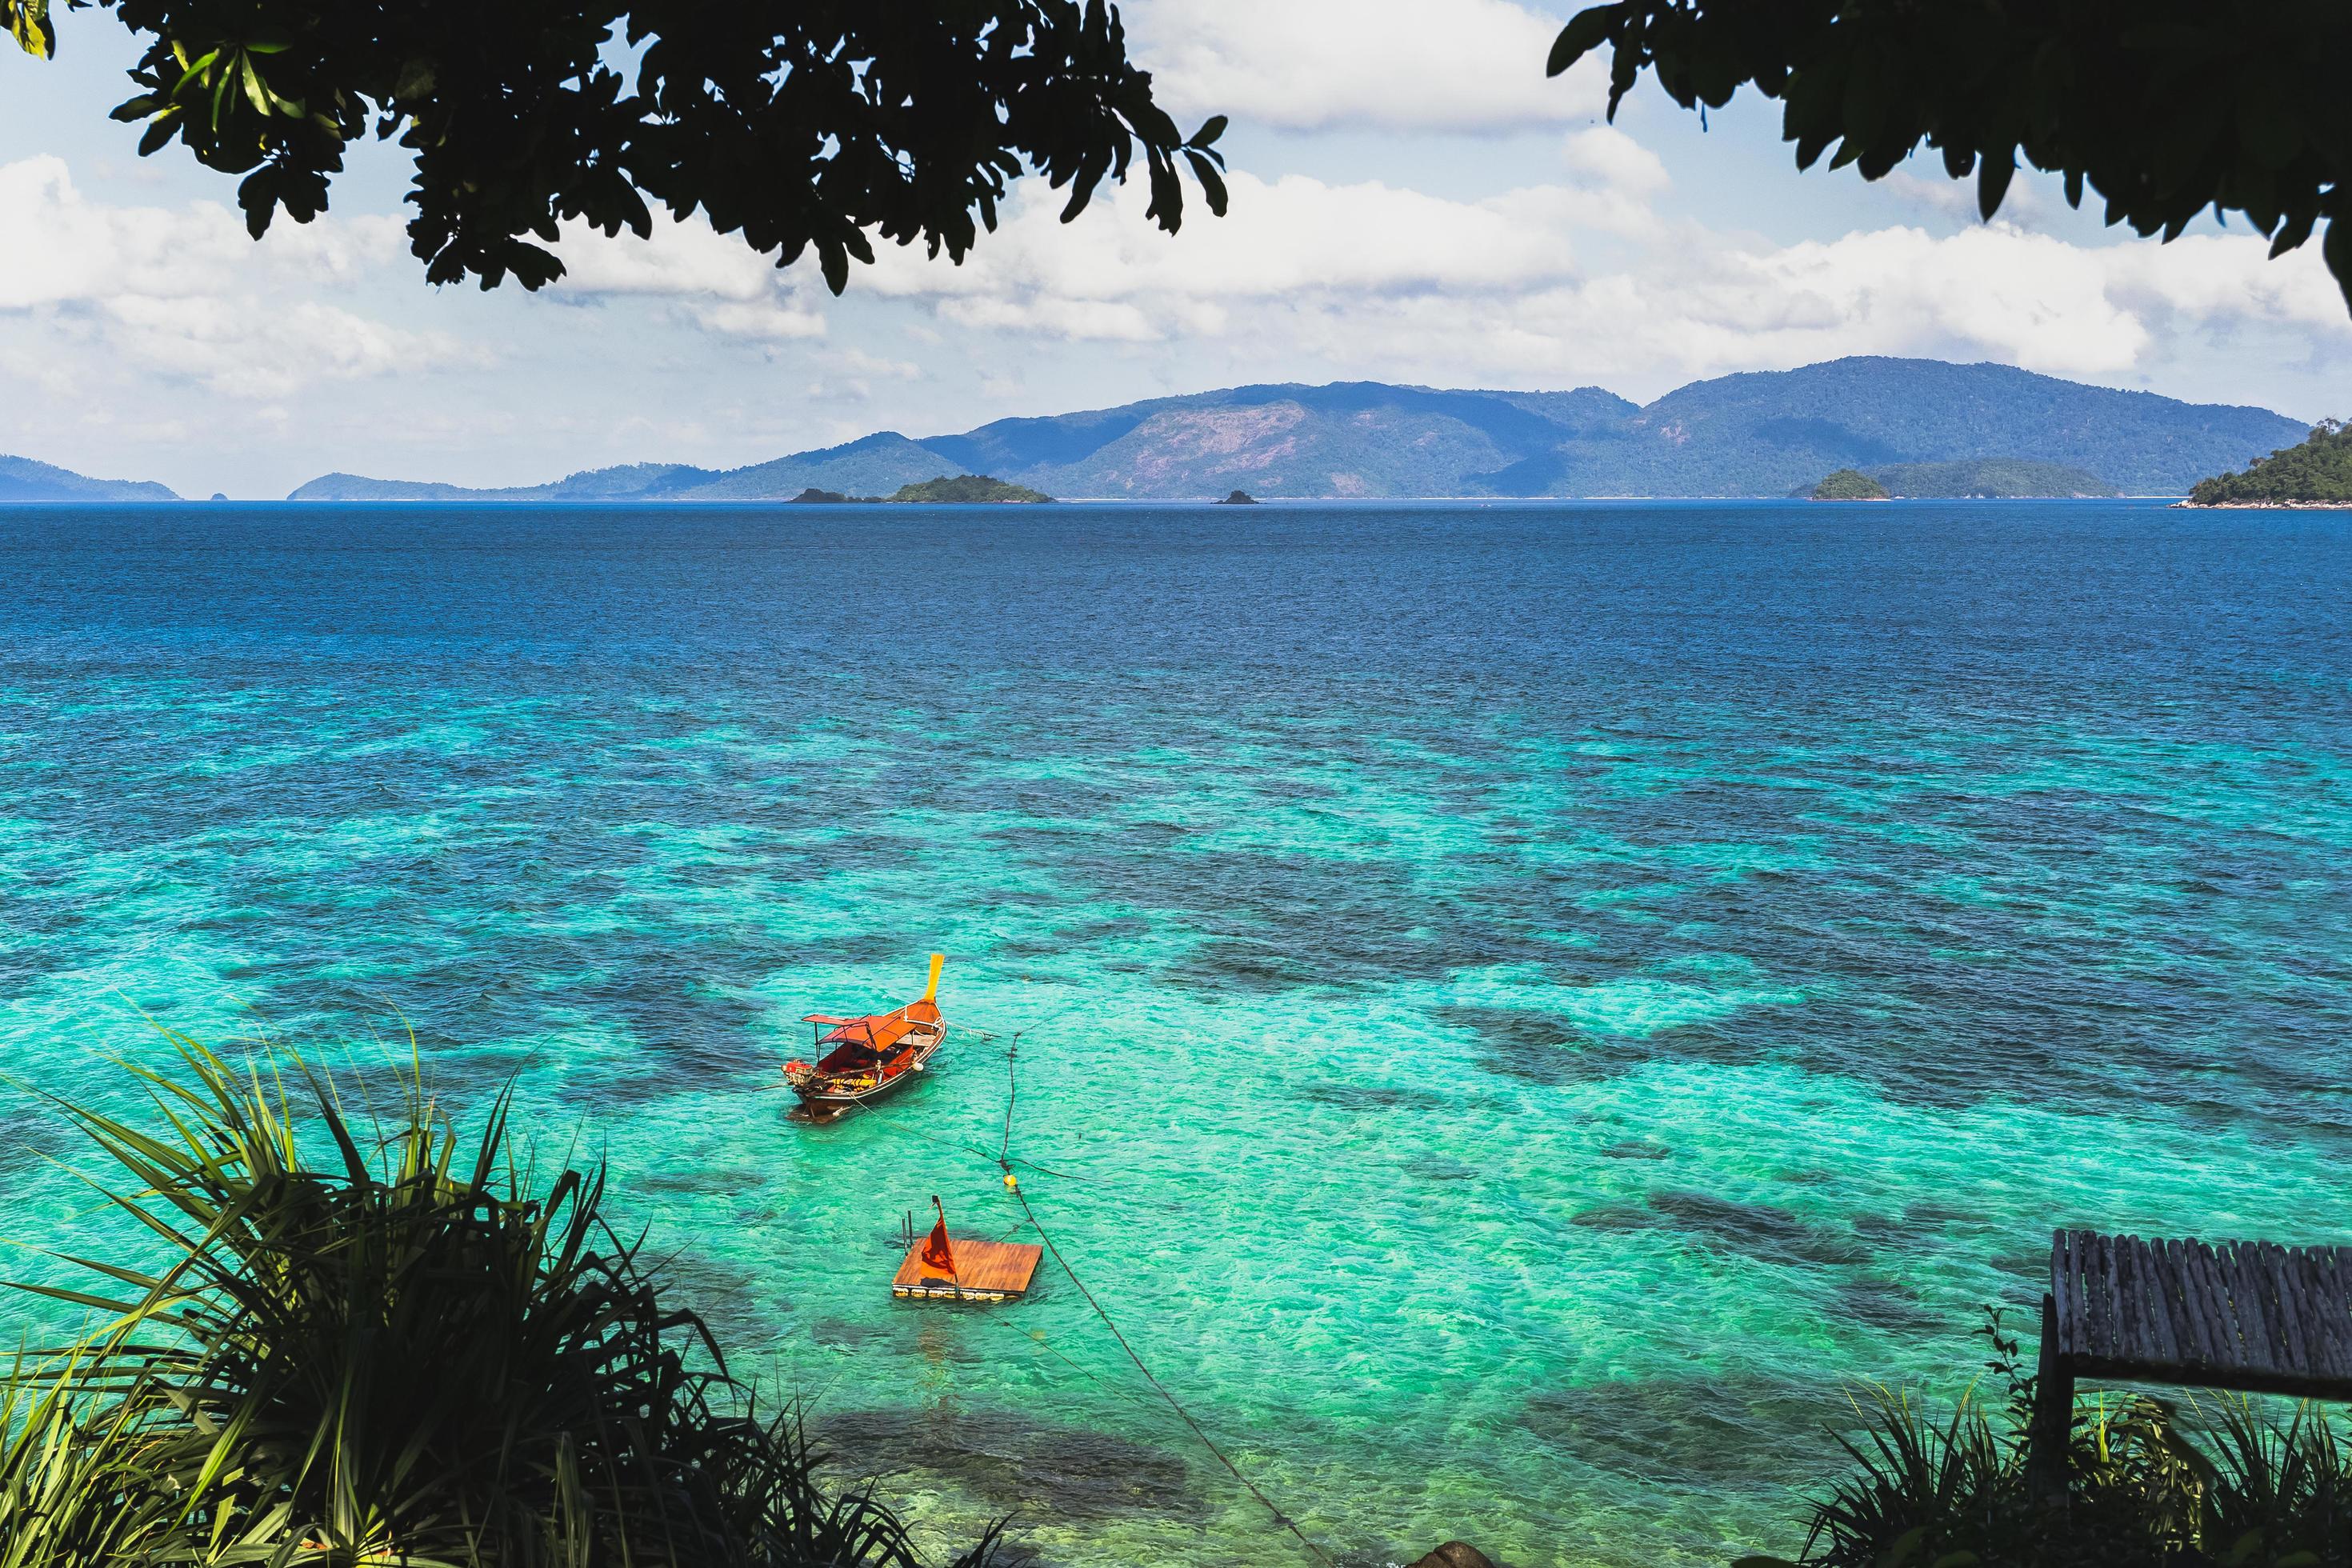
(2252, 1491)
(398, 1352)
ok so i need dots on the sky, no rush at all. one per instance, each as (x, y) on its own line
(1412, 201)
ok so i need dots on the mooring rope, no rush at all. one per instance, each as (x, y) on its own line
(863, 1109)
(1160, 1388)
(1004, 1160)
(1014, 1186)
(1011, 1097)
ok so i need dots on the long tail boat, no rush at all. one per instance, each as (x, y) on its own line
(862, 1060)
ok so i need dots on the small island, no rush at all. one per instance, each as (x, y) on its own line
(1968, 478)
(957, 490)
(1239, 498)
(969, 489)
(2318, 473)
(1850, 484)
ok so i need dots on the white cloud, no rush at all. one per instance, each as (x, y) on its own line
(1615, 161)
(681, 260)
(55, 248)
(722, 284)
(1411, 65)
(1368, 279)
(241, 351)
(1056, 317)
(185, 292)
(854, 371)
(1954, 199)
(2210, 275)
(766, 321)
(1293, 242)
(857, 362)
(2031, 300)
(1114, 275)
(337, 250)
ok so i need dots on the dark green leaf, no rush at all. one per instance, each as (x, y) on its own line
(1993, 176)
(1213, 183)
(1586, 31)
(2165, 108)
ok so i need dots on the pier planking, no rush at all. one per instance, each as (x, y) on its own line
(986, 1271)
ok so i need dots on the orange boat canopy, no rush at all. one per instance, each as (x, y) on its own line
(878, 1034)
(881, 1030)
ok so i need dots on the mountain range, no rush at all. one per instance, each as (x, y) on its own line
(1943, 429)
(1760, 434)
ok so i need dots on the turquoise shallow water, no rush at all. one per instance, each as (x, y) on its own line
(1527, 1003)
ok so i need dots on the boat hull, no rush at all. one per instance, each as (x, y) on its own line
(820, 1102)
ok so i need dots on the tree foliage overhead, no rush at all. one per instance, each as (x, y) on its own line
(2318, 472)
(2162, 107)
(808, 125)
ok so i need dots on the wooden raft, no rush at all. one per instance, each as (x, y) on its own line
(986, 1271)
(2244, 1315)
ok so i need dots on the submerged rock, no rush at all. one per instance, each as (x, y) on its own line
(1455, 1554)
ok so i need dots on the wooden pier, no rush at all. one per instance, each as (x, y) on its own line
(986, 1271)
(2247, 1316)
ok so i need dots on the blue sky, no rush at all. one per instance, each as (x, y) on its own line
(1412, 202)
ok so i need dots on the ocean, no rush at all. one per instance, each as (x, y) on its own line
(1522, 1008)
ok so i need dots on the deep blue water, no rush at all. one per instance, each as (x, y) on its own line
(1533, 998)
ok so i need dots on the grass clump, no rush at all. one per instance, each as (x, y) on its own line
(1953, 1492)
(404, 1352)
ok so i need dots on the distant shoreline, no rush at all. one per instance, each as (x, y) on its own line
(1919, 428)
(658, 504)
(2263, 505)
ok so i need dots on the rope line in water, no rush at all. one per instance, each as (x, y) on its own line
(1004, 1161)
(1011, 1097)
(1160, 1388)
(865, 1108)
(1126, 1395)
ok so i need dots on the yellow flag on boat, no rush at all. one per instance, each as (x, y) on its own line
(931, 992)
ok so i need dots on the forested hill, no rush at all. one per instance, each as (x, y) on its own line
(2318, 472)
(1760, 434)
(22, 478)
(1873, 414)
